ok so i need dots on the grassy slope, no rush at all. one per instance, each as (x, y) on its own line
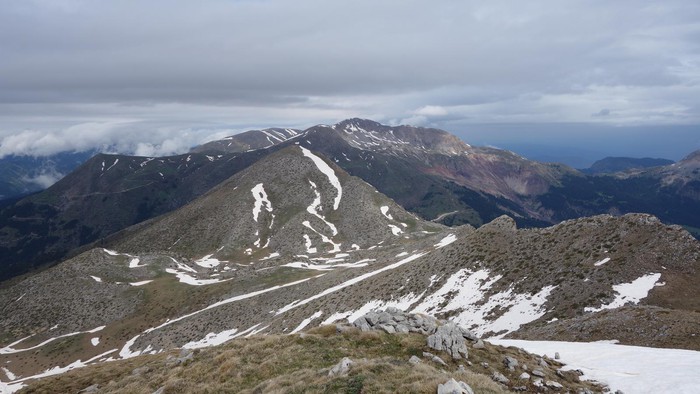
(300, 363)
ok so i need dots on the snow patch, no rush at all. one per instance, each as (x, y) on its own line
(631, 369)
(209, 262)
(191, 280)
(385, 212)
(261, 200)
(143, 282)
(96, 278)
(464, 292)
(306, 322)
(601, 262)
(328, 171)
(631, 292)
(349, 283)
(446, 241)
(95, 341)
(212, 339)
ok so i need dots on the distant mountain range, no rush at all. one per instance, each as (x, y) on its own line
(290, 240)
(429, 172)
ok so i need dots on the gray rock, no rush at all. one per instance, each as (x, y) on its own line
(538, 382)
(434, 358)
(524, 376)
(362, 324)
(520, 388)
(479, 344)
(342, 368)
(414, 360)
(461, 368)
(90, 389)
(619, 392)
(538, 372)
(553, 385)
(454, 387)
(510, 362)
(393, 310)
(448, 338)
(400, 328)
(543, 363)
(160, 390)
(556, 355)
(485, 364)
(499, 377)
(388, 328)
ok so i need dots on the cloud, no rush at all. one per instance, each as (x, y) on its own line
(79, 74)
(602, 112)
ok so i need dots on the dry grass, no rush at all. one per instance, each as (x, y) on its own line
(296, 364)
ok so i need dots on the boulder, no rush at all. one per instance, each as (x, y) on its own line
(449, 338)
(499, 377)
(414, 360)
(538, 372)
(454, 387)
(524, 376)
(342, 368)
(510, 362)
(553, 385)
(90, 389)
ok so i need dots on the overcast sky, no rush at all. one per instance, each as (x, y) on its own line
(156, 77)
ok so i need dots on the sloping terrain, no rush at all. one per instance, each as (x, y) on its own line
(293, 242)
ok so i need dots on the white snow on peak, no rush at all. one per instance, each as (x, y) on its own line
(134, 263)
(601, 262)
(446, 241)
(306, 322)
(328, 171)
(260, 200)
(402, 303)
(630, 369)
(385, 212)
(631, 292)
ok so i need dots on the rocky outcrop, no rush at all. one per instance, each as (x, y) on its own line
(442, 335)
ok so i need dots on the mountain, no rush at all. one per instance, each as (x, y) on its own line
(293, 241)
(249, 140)
(22, 175)
(429, 172)
(611, 165)
(104, 195)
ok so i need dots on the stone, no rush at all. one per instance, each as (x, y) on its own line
(538, 383)
(479, 344)
(520, 388)
(401, 329)
(510, 362)
(448, 338)
(388, 328)
(161, 390)
(556, 356)
(461, 368)
(414, 360)
(454, 387)
(543, 363)
(90, 389)
(485, 364)
(434, 358)
(342, 368)
(538, 372)
(553, 385)
(499, 377)
(524, 376)
(141, 370)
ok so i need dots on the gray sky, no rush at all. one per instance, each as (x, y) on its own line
(155, 77)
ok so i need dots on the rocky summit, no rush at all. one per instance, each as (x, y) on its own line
(293, 269)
